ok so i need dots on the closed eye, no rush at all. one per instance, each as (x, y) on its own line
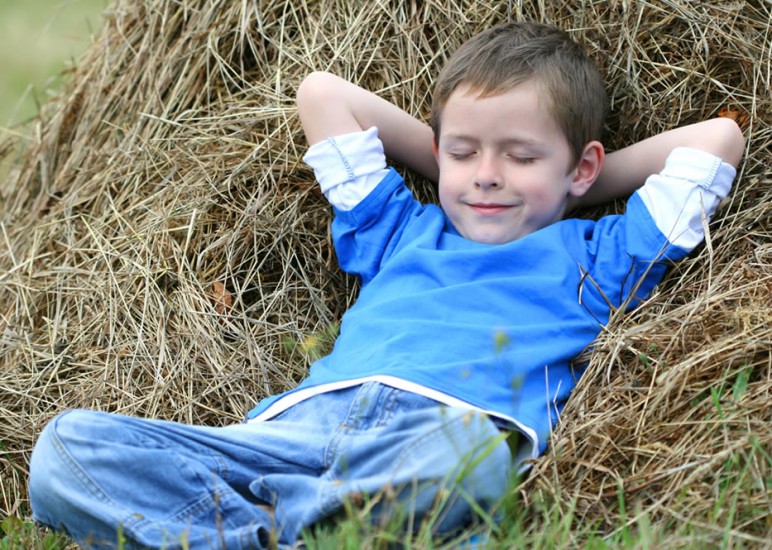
(521, 159)
(459, 155)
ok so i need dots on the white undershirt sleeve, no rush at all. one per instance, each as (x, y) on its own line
(348, 167)
(691, 185)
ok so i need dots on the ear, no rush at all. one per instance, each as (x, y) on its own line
(435, 151)
(587, 169)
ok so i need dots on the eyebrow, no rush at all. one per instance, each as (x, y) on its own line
(505, 142)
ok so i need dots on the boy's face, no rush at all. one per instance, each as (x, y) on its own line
(505, 165)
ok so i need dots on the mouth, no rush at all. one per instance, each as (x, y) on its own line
(485, 209)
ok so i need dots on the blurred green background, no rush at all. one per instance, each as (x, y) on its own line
(38, 40)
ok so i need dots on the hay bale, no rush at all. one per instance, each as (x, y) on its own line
(163, 246)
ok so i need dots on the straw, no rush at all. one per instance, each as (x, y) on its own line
(164, 252)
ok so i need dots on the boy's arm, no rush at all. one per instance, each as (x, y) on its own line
(626, 170)
(331, 106)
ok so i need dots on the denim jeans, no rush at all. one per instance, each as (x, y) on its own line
(161, 483)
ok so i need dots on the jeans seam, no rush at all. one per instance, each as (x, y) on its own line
(186, 515)
(354, 411)
(451, 428)
(387, 411)
(127, 519)
(80, 475)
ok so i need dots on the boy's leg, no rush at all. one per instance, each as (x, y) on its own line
(159, 482)
(408, 455)
(92, 472)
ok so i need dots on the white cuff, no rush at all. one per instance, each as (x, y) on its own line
(348, 167)
(693, 182)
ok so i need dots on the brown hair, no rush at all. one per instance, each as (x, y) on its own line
(500, 58)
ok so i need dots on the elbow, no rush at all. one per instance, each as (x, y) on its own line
(729, 140)
(320, 106)
(312, 91)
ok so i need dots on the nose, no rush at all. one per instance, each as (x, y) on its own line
(488, 174)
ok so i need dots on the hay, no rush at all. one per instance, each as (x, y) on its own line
(161, 243)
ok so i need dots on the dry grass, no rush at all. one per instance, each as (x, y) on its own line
(160, 241)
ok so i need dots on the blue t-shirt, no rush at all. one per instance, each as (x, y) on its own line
(495, 326)
(492, 327)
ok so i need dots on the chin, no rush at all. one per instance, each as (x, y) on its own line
(492, 235)
(495, 239)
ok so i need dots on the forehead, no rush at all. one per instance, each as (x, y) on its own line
(532, 85)
(521, 108)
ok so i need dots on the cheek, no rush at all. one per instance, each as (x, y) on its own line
(539, 194)
(446, 203)
(545, 189)
(447, 191)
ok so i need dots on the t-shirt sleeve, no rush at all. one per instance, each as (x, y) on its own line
(371, 202)
(372, 231)
(663, 222)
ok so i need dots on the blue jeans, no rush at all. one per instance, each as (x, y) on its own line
(161, 483)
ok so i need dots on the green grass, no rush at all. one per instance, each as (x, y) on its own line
(16, 534)
(38, 40)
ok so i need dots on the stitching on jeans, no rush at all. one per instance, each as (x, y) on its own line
(389, 406)
(128, 520)
(72, 465)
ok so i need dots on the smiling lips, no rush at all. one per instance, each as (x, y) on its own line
(490, 209)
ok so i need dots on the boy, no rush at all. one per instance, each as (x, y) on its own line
(466, 325)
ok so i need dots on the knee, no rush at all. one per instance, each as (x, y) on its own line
(56, 440)
(65, 427)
